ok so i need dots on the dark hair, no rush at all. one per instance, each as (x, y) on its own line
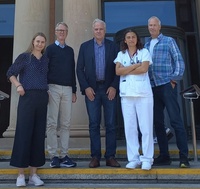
(124, 46)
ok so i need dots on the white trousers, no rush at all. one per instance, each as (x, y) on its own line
(138, 114)
(59, 119)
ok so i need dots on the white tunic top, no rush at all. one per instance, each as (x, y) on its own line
(134, 85)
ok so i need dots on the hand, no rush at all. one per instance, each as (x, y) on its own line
(20, 90)
(111, 92)
(90, 93)
(173, 83)
(74, 97)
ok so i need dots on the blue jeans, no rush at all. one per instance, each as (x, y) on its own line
(94, 113)
(166, 97)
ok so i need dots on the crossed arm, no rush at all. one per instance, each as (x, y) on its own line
(134, 69)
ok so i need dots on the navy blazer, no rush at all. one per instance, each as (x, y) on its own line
(86, 67)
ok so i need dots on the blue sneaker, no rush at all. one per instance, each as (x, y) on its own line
(67, 162)
(55, 162)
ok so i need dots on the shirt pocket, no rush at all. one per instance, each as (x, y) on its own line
(123, 87)
(142, 87)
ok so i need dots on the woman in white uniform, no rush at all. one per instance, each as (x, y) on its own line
(132, 65)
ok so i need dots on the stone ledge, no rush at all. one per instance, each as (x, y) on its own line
(174, 174)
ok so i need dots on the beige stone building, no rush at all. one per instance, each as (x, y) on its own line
(31, 16)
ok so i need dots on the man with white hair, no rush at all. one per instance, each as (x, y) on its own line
(167, 68)
(99, 84)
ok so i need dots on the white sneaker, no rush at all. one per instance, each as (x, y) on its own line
(146, 165)
(21, 181)
(35, 180)
(133, 165)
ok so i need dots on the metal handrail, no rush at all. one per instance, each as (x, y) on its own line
(191, 93)
(3, 95)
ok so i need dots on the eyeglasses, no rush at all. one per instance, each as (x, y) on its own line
(61, 31)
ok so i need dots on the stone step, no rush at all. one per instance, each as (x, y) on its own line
(82, 172)
(85, 154)
(79, 149)
(80, 152)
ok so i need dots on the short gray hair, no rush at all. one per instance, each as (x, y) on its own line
(99, 21)
(156, 18)
(61, 23)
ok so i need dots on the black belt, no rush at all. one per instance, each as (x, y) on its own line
(100, 81)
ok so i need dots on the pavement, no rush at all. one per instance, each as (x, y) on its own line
(79, 151)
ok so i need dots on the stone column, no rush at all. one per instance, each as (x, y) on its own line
(79, 15)
(31, 16)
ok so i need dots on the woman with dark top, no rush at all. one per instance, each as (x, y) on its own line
(28, 149)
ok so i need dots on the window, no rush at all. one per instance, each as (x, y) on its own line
(119, 15)
(7, 12)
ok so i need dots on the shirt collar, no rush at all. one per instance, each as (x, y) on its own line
(58, 44)
(102, 43)
(160, 36)
(150, 38)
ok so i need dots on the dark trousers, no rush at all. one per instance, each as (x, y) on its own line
(166, 97)
(29, 143)
(94, 113)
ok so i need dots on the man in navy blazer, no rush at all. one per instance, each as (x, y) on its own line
(99, 83)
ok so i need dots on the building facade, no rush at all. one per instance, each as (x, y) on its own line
(180, 19)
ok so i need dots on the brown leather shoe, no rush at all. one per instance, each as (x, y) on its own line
(94, 163)
(112, 162)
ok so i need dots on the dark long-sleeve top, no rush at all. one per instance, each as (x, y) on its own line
(61, 66)
(32, 71)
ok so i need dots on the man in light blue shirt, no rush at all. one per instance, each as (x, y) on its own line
(167, 68)
(99, 83)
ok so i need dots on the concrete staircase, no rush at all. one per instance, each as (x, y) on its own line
(80, 152)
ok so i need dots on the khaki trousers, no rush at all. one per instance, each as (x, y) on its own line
(59, 119)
